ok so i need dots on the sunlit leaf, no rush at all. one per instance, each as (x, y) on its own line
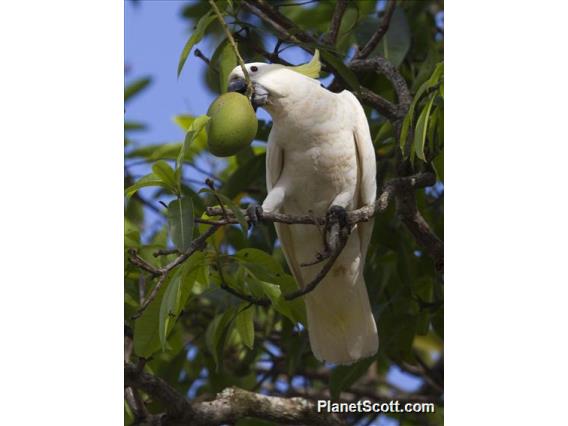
(136, 87)
(197, 125)
(147, 180)
(166, 174)
(195, 38)
(133, 126)
(180, 221)
(225, 60)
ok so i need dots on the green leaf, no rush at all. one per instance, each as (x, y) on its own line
(148, 180)
(133, 125)
(244, 176)
(437, 74)
(267, 278)
(343, 71)
(131, 234)
(195, 38)
(344, 376)
(136, 87)
(180, 221)
(168, 307)
(194, 129)
(166, 175)
(245, 324)
(177, 293)
(216, 334)
(421, 128)
(146, 334)
(396, 42)
(225, 62)
(385, 132)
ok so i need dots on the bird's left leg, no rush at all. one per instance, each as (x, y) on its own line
(337, 226)
(273, 201)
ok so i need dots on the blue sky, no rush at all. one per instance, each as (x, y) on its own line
(154, 37)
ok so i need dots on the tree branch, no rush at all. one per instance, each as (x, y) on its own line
(229, 406)
(419, 228)
(233, 404)
(383, 66)
(281, 24)
(177, 406)
(364, 214)
(381, 31)
(331, 36)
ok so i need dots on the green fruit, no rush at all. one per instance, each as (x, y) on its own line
(233, 124)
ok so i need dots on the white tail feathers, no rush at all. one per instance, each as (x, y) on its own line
(341, 326)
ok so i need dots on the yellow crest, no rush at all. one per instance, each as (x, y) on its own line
(311, 69)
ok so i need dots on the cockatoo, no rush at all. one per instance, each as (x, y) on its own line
(319, 155)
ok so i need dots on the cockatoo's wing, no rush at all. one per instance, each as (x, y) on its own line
(366, 160)
(274, 167)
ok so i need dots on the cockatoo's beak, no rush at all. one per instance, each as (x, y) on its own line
(237, 85)
(259, 93)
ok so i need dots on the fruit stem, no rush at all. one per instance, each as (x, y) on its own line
(248, 92)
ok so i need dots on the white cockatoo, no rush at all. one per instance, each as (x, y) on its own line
(319, 155)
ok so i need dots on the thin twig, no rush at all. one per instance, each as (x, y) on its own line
(234, 46)
(201, 56)
(141, 263)
(165, 252)
(150, 297)
(211, 185)
(196, 244)
(311, 286)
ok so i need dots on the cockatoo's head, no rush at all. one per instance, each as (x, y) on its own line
(273, 83)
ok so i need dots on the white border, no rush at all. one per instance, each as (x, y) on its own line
(61, 90)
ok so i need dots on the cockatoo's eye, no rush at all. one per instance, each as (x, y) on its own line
(254, 68)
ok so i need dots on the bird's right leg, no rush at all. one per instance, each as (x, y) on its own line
(272, 202)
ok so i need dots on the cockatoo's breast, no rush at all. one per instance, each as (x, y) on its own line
(320, 158)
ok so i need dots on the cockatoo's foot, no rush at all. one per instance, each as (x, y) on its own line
(337, 214)
(337, 229)
(254, 213)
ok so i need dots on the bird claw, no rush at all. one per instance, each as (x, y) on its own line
(254, 213)
(337, 229)
(337, 214)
